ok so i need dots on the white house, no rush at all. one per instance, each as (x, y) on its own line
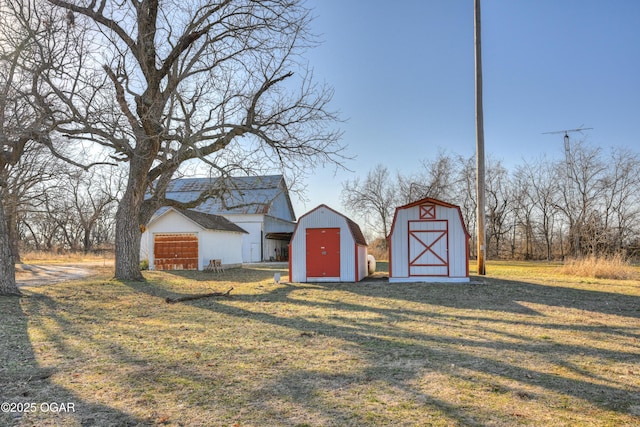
(327, 247)
(178, 239)
(260, 205)
(428, 242)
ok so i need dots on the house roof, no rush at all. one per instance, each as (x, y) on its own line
(242, 195)
(354, 228)
(207, 221)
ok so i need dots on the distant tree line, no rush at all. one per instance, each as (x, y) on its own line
(585, 204)
(51, 205)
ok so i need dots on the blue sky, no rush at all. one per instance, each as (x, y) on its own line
(403, 74)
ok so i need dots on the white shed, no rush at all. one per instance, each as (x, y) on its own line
(326, 246)
(428, 242)
(177, 239)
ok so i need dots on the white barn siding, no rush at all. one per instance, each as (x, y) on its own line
(169, 223)
(252, 242)
(320, 218)
(225, 246)
(362, 262)
(446, 218)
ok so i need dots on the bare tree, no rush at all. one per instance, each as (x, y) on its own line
(24, 185)
(41, 223)
(72, 211)
(89, 196)
(27, 37)
(464, 195)
(582, 188)
(373, 199)
(498, 204)
(436, 179)
(537, 209)
(621, 200)
(203, 80)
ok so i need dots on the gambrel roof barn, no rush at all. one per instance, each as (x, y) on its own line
(327, 247)
(260, 205)
(428, 242)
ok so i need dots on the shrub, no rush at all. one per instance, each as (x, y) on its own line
(144, 264)
(602, 267)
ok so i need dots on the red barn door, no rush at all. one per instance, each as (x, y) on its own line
(323, 252)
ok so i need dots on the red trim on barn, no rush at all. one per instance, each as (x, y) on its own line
(428, 211)
(390, 266)
(429, 200)
(430, 249)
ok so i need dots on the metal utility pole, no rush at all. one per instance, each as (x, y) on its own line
(480, 185)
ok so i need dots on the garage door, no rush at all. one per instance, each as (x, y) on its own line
(323, 252)
(175, 252)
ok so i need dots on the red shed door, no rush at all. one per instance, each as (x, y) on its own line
(429, 248)
(323, 252)
(175, 251)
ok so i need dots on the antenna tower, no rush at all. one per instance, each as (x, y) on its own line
(567, 146)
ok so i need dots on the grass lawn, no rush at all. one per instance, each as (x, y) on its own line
(523, 345)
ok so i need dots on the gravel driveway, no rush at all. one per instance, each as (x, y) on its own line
(36, 275)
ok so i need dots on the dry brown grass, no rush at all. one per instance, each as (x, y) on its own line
(523, 345)
(48, 257)
(610, 267)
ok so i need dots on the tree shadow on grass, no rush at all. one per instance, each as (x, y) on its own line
(507, 295)
(246, 274)
(398, 358)
(401, 365)
(29, 395)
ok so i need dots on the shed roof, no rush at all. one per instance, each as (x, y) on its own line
(432, 201)
(354, 228)
(207, 221)
(427, 200)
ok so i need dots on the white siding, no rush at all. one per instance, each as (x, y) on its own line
(456, 241)
(224, 245)
(173, 222)
(252, 242)
(399, 256)
(323, 217)
(362, 262)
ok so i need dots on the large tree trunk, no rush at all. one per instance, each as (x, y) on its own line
(128, 230)
(12, 232)
(8, 284)
(11, 220)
